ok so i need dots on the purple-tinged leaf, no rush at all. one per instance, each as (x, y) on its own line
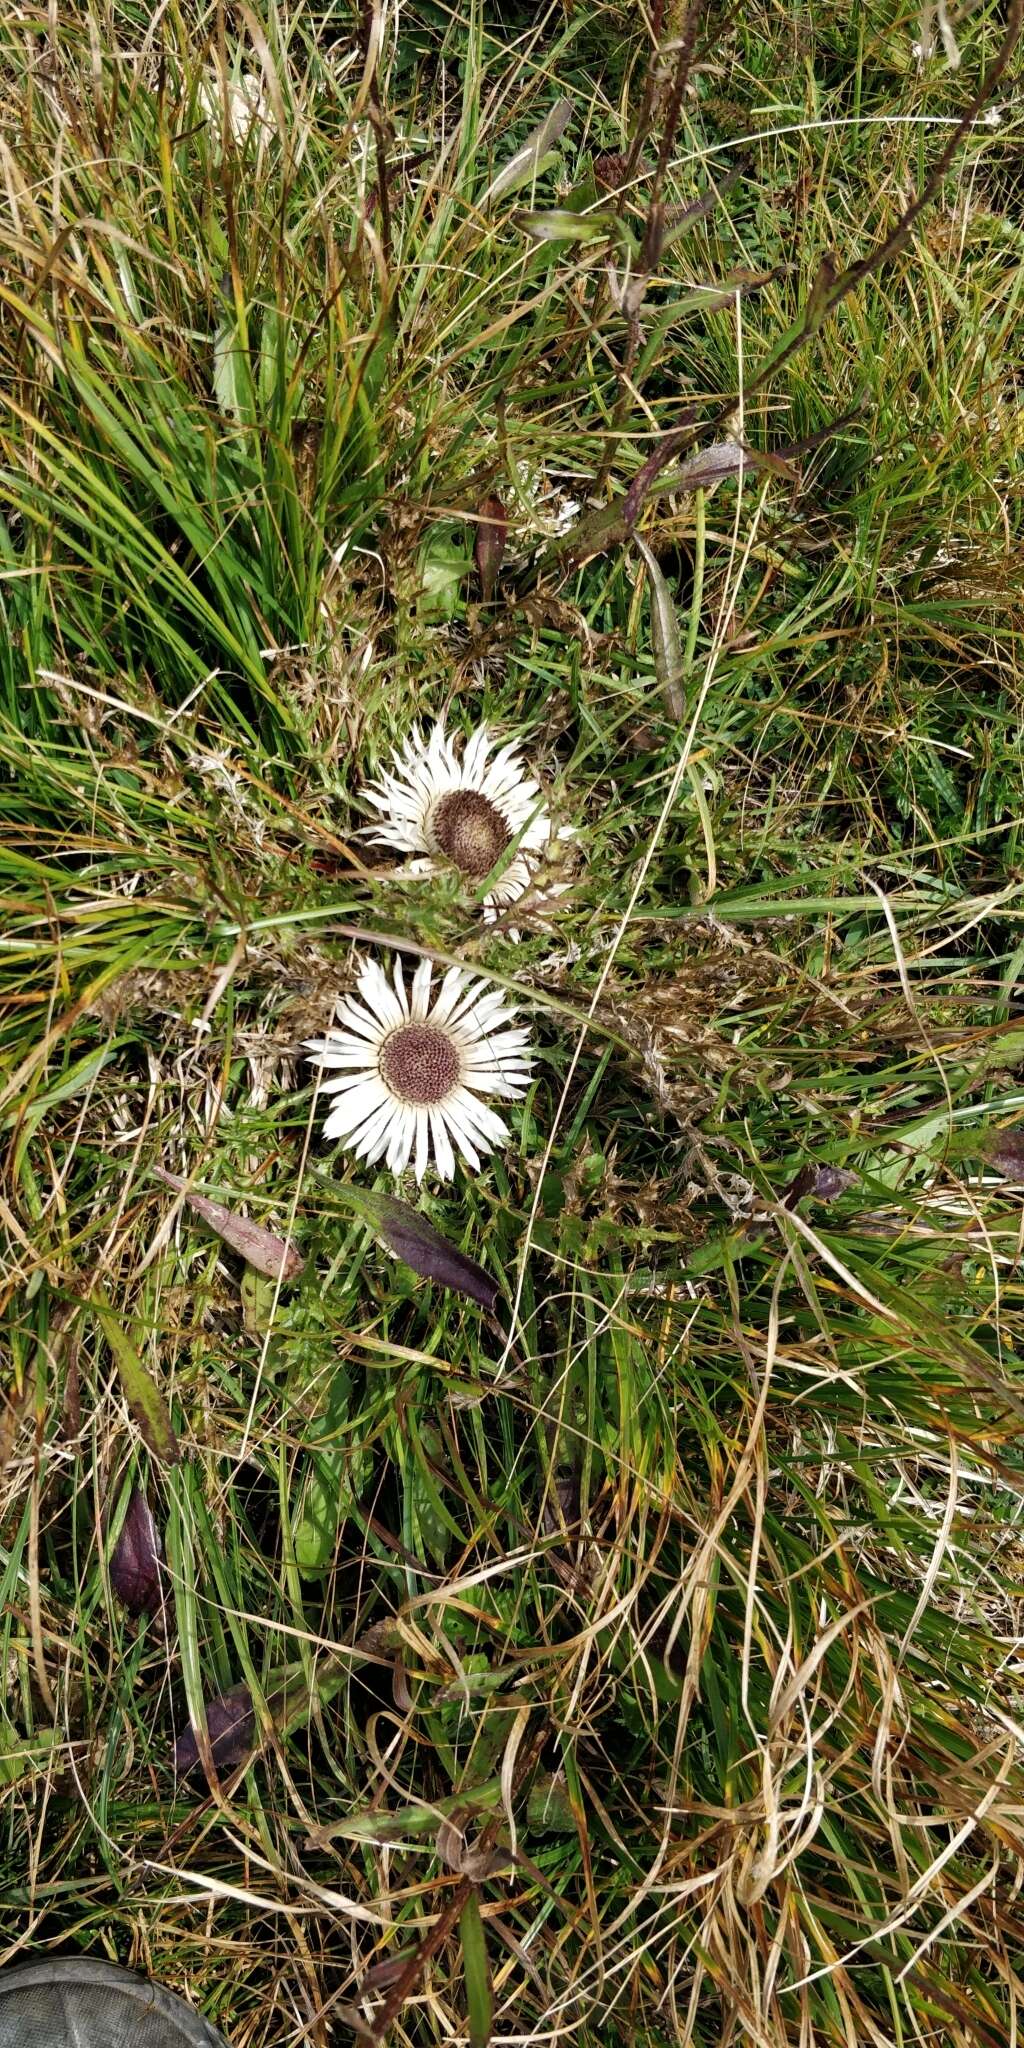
(489, 548)
(381, 1976)
(710, 465)
(135, 1559)
(231, 1724)
(821, 1183)
(260, 1248)
(409, 1237)
(1005, 1151)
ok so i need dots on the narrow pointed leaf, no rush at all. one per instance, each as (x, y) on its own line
(489, 548)
(529, 161)
(232, 381)
(687, 217)
(665, 636)
(479, 1996)
(324, 1503)
(141, 1392)
(260, 1248)
(409, 1237)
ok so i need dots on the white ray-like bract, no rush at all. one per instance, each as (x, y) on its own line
(463, 812)
(407, 1077)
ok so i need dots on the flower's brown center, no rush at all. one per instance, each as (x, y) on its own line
(471, 831)
(419, 1064)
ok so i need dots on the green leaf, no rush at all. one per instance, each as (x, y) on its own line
(548, 1807)
(560, 225)
(428, 1525)
(408, 1823)
(666, 640)
(258, 1296)
(479, 1997)
(443, 567)
(534, 157)
(141, 1392)
(232, 376)
(325, 1502)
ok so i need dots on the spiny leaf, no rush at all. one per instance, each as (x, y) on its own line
(611, 169)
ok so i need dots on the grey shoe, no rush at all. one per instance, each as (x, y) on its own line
(77, 2003)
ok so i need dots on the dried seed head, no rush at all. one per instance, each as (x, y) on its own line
(419, 1064)
(612, 169)
(471, 831)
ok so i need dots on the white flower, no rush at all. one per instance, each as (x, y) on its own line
(462, 813)
(409, 1077)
